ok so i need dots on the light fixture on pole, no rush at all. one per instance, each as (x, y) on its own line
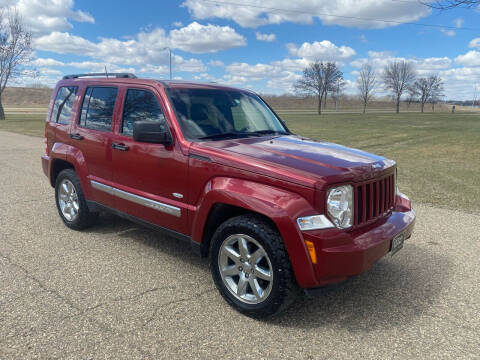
(170, 52)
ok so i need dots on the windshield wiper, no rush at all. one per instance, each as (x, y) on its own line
(227, 135)
(270, 132)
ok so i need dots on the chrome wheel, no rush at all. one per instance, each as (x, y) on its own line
(68, 200)
(245, 268)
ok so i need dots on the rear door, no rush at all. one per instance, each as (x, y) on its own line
(92, 135)
(152, 178)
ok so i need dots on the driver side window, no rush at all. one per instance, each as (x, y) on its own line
(140, 105)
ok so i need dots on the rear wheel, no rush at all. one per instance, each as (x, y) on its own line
(250, 266)
(71, 204)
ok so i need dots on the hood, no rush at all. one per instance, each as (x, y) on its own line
(323, 161)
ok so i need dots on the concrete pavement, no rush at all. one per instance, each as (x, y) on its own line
(120, 291)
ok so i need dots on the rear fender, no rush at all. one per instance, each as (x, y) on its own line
(75, 157)
(281, 206)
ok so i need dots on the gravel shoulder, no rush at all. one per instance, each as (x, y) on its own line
(121, 291)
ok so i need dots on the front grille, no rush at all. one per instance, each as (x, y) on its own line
(374, 198)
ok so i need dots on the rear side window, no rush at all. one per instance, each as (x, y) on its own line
(62, 109)
(97, 108)
(140, 105)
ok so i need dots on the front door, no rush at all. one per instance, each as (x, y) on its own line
(149, 179)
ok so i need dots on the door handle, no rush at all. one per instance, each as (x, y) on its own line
(121, 147)
(76, 136)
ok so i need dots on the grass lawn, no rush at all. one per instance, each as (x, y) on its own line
(438, 155)
(29, 124)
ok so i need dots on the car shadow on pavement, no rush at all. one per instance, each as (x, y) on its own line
(394, 292)
(147, 239)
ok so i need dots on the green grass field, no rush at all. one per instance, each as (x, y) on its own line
(29, 124)
(438, 155)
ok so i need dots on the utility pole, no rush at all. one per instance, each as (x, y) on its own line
(475, 95)
(170, 52)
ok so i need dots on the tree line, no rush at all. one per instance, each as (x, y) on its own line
(398, 78)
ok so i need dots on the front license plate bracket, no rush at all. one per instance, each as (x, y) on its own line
(397, 243)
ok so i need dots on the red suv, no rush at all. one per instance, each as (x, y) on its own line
(215, 166)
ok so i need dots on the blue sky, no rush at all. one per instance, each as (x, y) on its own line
(248, 43)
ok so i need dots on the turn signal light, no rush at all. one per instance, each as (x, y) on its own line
(311, 251)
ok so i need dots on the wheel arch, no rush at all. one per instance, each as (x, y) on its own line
(219, 213)
(224, 198)
(57, 166)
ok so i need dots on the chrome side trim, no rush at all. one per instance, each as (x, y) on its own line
(156, 205)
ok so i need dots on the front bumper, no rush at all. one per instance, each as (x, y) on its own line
(343, 254)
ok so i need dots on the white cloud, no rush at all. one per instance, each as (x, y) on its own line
(460, 82)
(379, 59)
(49, 72)
(449, 33)
(177, 24)
(471, 58)
(323, 50)
(292, 64)
(44, 16)
(265, 37)
(475, 43)
(197, 38)
(252, 72)
(458, 22)
(347, 12)
(216, 63)
(64, 43)
(145, 46)
(47, 62)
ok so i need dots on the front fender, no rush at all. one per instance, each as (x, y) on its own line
(281, 206)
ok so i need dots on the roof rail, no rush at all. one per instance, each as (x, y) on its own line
(117, 75)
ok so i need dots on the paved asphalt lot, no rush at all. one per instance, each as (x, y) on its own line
(120, 291)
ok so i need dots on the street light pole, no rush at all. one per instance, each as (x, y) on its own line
(170, 52)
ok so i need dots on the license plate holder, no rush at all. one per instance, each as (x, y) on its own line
(397, 243)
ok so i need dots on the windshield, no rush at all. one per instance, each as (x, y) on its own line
(218, 114)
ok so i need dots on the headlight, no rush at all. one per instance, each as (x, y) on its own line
(340, 206)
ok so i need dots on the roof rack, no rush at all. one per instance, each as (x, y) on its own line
(117, 75)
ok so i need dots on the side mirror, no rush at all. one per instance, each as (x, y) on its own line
(152, 132)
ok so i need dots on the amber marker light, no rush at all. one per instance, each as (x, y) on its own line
(311, 251)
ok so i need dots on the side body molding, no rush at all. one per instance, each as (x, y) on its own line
(281, 206)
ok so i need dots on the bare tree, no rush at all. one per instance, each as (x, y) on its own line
(318, 78)
(436, 92)
(450, 4)
(337, 91)
(398, 76)
(366, 83)
(428, 89)
(15, 49)
(422, 88)
(412, 95)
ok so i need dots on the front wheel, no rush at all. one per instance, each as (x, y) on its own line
(251, 268)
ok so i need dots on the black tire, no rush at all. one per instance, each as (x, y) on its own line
(284, 288)
(84, 218)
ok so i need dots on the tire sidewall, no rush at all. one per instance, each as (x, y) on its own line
(275, 298)
(71, 176)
